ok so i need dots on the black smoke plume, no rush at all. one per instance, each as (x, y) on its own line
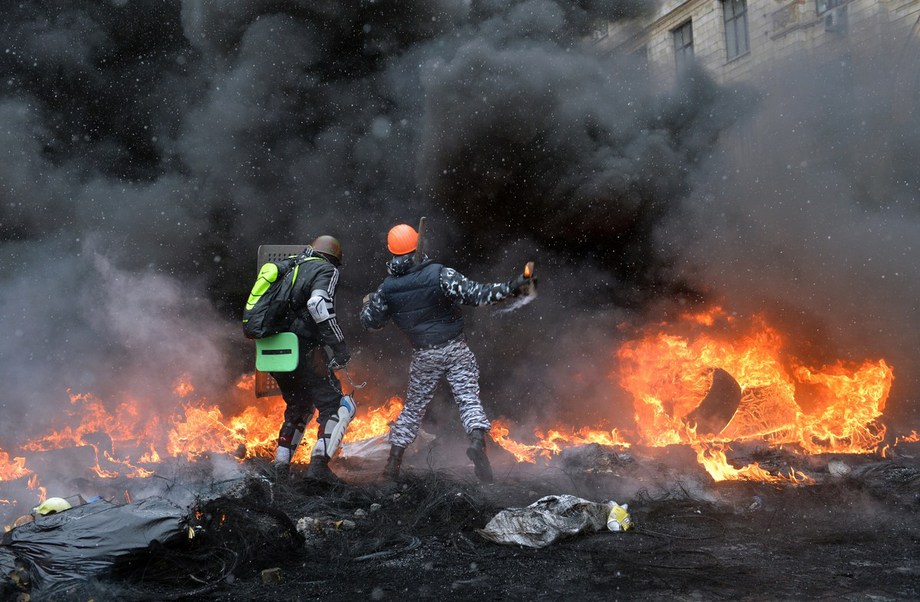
(150, 146)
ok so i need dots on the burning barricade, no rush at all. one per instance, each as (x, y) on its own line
(707, 383)
(729, 403)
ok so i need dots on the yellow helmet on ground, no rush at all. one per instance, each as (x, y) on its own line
(52, 505)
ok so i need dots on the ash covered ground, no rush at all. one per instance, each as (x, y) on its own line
(852, 535)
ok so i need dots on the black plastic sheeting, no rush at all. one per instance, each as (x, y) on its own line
(7, 565)
(87, 541)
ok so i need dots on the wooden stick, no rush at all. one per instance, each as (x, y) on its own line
(419, 250)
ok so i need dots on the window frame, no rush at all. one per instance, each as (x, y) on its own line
(822, 6)
(683, 48)
(732, 23)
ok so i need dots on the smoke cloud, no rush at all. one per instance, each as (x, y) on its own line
(149, 147)
(810, 213)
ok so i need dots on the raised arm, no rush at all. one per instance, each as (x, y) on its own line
(469, 292)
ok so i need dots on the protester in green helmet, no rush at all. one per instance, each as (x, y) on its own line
(313, 384)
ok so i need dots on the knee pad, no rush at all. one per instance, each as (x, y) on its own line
(333, 430)
(290, 435)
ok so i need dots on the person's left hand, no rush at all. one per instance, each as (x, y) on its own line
(338, 363)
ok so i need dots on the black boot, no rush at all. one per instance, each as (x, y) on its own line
(477, 453)
(319, 470)
(391, 472)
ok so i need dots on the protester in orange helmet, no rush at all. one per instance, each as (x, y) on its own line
(424, 299)
(314, 383)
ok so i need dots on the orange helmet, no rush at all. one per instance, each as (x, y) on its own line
(329, 247)
(402, 239)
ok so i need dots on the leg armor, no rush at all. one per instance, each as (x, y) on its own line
(332, 431)
(288, 439)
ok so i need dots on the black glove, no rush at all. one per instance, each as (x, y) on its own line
(376, 302)
(340, 357)
(518, 284)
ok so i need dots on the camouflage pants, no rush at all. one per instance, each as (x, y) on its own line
(457, 363)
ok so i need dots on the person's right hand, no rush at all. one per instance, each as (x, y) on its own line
(517, 284)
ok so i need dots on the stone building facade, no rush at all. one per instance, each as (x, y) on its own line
(735, 40)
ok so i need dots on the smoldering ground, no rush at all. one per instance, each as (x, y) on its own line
(150, 147)
(690, 539)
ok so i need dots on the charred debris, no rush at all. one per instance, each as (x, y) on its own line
(853, 532)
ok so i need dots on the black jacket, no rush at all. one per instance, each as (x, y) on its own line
(424, 301)
(316, 277)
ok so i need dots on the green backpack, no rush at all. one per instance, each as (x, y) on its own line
(268, 309)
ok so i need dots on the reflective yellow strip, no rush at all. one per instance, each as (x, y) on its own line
(267, 275)
(297, 267)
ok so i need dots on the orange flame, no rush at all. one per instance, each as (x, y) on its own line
(714, 460)
(184, 387)
(667, 370)
(10, 470)
(669, 374)
(254, 431)
(913, 437)
(553, 441)
(373, 422)
(124, 425)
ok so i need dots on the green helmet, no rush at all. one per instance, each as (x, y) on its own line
(329, 247)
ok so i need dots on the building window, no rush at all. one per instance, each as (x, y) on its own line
(823, 6)
(834, 13)
(736, 28)
(683, 45)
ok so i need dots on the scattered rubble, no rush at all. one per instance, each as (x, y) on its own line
(851, 534)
